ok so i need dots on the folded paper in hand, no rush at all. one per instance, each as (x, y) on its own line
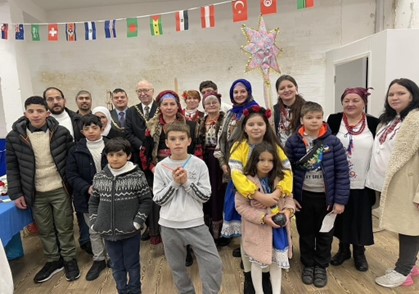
(328, 222)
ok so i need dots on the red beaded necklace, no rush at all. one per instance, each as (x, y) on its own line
(351, 128)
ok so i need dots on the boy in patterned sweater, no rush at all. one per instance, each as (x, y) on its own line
(181, 186)
(118, 208)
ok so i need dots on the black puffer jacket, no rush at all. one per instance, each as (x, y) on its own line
(21, 158)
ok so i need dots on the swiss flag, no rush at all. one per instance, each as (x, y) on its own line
(53, 32)
(268, 6)
(239, 10)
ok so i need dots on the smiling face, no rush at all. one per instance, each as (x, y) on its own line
(169, 108)
(192, 102)
(103, 119)
(145, 92)
(353, 105)
(120, 100)
(212, 105)
(178, 143)
(312, 121)
(240, 94)
(265, 164)
(37, 115)
(287, 91)
(255, 128)
(84, 102)
(399, 97)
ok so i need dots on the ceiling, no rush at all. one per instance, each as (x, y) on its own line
(66, 4)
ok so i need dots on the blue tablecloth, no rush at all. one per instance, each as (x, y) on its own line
(12, 220)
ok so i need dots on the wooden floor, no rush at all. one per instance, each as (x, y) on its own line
(156, 275)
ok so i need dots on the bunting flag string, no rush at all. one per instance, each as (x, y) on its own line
(240, 13)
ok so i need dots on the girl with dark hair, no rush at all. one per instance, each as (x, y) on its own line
(264, 241)
(394, 171)
(254, 129)
(356, 130)
(287, 110)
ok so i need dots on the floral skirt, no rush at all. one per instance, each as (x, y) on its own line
(232, 219)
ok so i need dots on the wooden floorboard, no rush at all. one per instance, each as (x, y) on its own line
(157, 278)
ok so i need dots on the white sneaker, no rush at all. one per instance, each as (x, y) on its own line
(391, 279)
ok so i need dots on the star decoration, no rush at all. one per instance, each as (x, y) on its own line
(261, 48)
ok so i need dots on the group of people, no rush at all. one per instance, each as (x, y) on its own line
(194, 180)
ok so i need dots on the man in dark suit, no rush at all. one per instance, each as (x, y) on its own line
(120, 103)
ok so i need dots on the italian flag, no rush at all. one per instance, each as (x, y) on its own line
(301, 4)
(208, 16)
(155, 25)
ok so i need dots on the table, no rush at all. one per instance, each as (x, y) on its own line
(12, 220)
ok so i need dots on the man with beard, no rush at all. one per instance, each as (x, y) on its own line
(72, 122)
(84, 102)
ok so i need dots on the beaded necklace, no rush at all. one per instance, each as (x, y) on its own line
(352, 132)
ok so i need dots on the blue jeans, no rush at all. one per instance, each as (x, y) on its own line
(125, 258)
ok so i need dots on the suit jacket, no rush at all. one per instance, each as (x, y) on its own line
(115, 117)
(153, 109)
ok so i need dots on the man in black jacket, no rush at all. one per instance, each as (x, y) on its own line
(72, 122)
(36, 177)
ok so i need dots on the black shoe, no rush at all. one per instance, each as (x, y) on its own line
(48, 270)
(361, 263)
(307, 275)
(266, 283)
(248, 284)
(95, 270)
(320, 277)
(223, 241)
(71, 269)
(145, 236)
(237, 252)
(343, 254)
(87, 247)
(189, 259)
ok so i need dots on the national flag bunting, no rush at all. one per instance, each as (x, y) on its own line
(35, 33)
(70, 32)
(110, 29)
(182, 21)
(268, 6)
(208, 16)
(90, 30)
(5, 31)
(132, 27)
(53, 32)
(301, 4)
(239, 10)
(156, 25)
(19, 32)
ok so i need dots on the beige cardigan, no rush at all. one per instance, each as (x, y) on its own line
(401, 186)
(256, 237)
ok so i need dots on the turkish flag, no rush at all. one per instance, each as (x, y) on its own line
(268, 6)
(239, 10)
(53, 32)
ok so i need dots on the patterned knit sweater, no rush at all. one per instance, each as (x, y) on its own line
(118, 202)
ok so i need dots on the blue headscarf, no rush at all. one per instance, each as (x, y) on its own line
(239, 108)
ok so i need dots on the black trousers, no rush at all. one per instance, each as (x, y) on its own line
(408, 251)
(315, 247)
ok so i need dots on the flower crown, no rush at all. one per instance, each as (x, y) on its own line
(257, 109)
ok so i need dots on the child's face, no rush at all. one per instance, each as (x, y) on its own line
(117, 159)
(255, 129)
(178, 143)
(92, 132)
(312, 121)
(265, 164)
(37, 115)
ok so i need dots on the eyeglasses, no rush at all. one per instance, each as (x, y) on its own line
(139, 91)
(52, 99)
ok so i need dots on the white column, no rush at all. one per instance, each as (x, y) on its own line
(406, 14)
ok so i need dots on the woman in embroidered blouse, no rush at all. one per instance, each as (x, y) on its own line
(210, 125)
(192, 99)
(356, 130)
(155, 149)
(396, 160)
(287, 110)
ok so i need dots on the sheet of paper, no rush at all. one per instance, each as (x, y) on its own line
(328, 222)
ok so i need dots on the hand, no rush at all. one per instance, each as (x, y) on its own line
(153, 169)
(21, 203)
(338, 208)
(266, 199)
(90, 191)
(268, 221)
(287, 215)
(297, 205)
(226, 170)
(180, 175)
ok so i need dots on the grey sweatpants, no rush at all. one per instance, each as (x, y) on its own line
(203, 246)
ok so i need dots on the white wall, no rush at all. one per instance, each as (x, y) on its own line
(194, 55)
